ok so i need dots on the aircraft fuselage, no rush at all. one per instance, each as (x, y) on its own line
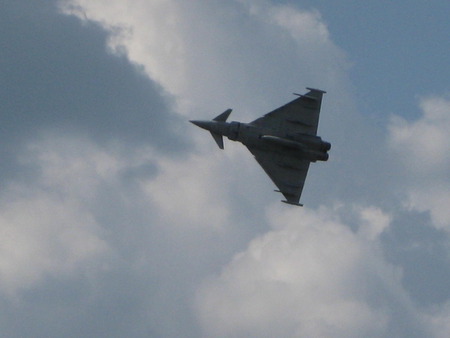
(299, 145)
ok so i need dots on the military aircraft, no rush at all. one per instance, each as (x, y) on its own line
(284, 141)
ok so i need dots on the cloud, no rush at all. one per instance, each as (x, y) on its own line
(47, 227)
(423, 147)
(310, 276)
(82, 236)
(193, 197)
(209, 54)
(57, 75)
(42, 236)
(129, 218)
(373, 222)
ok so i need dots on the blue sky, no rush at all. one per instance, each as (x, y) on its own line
(119, 218)
(397, 49)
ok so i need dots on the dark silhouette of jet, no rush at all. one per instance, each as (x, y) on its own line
(284, 141)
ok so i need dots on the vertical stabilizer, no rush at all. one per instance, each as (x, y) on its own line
(223, 117)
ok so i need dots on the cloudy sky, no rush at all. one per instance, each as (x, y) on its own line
(119, 218)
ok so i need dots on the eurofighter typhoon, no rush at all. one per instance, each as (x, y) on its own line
(284, 141)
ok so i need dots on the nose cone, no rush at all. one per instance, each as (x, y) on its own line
(202, 124)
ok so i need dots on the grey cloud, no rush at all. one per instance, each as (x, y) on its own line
(57, 74)
(103, 113)
(59, 85)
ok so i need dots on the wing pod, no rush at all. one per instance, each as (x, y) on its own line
(282, 142)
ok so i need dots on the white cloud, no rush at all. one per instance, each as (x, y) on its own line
(189, 192)
(42, 235)
(423, 146)
(72, 165)
(373, 222)
(211, 54)
(309, 277)
(303, 26)
(46, 226)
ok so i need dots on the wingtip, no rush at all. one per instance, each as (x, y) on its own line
(293, 203)
(317, 90)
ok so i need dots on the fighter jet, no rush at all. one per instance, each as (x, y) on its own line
(284, 141)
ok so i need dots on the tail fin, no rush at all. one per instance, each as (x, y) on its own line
(219, 139)
(223, 117)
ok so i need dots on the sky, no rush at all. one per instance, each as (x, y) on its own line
(120, 218)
